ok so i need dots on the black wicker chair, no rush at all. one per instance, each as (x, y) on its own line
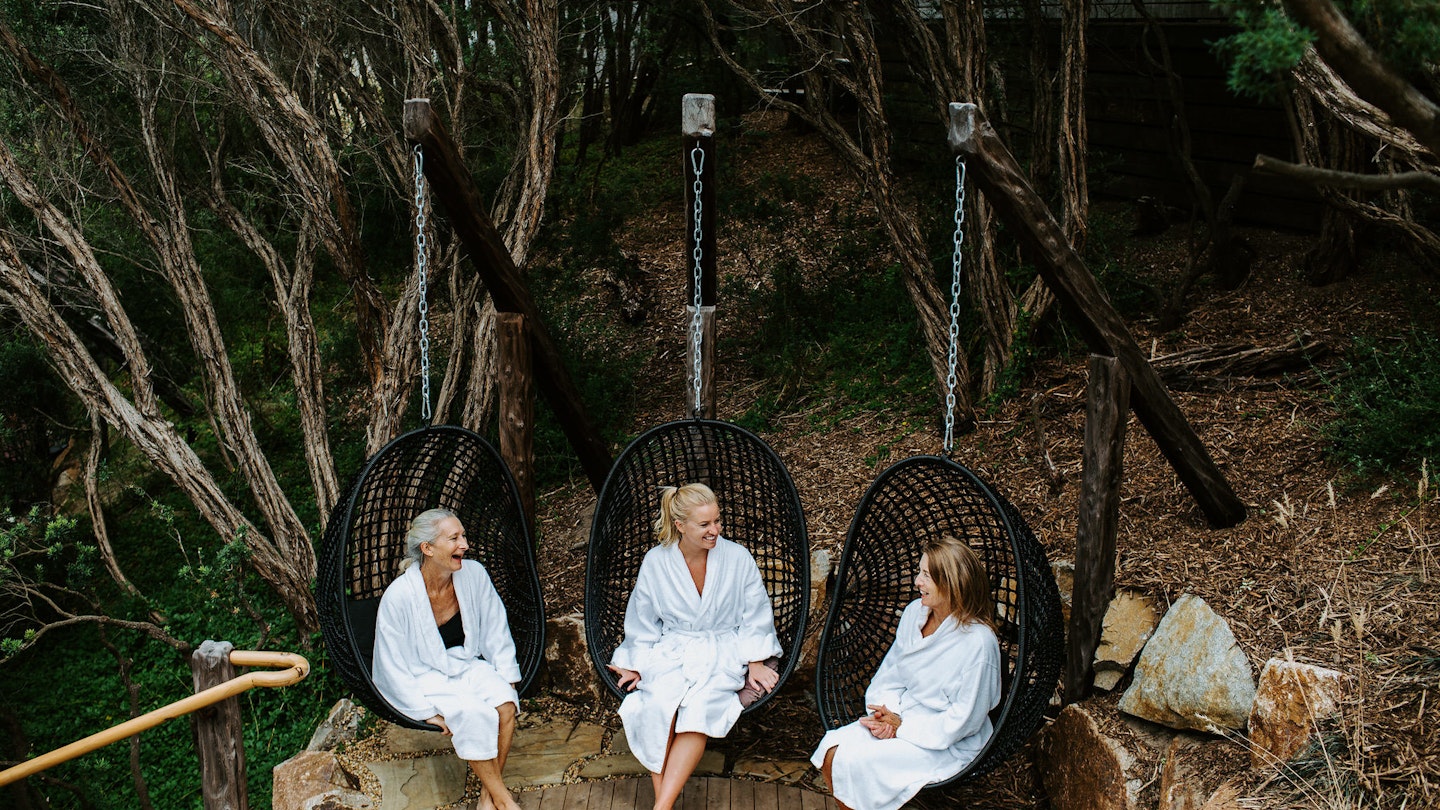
(916, 499)
(759, 506)
(365, 542)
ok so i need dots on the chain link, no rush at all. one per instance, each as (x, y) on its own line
(420, 260)
(697, 165)
(955, 266)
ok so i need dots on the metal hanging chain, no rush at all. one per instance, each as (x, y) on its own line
(420, 271)
(955, 267)
(697, 165)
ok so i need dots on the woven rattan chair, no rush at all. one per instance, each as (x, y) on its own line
(439, 466)
(758, 504)
(916, 499)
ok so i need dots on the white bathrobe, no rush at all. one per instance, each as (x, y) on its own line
(943, 687)
(465, 685)
(692, 652)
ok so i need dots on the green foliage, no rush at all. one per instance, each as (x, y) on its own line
(854, 338)
(1406, 34)
(1387, 402)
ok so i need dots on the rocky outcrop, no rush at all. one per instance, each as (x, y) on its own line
(1130, 620)
(314, 779)
(567, 660)
(1191, 673)
(1290, 701)
(1086, 768)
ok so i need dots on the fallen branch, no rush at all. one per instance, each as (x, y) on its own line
(1205, 367)
(1315, 176)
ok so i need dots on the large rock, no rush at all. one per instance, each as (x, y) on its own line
(567, 659)
(1192, 674)
(339, 727)
(311, 778)
(1194, 767)
(1290, 700)
(1085, 768)
(1130, 620)
(542, 754)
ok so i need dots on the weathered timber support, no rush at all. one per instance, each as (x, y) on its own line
(707, 363)
(455, 188)
(1081, 300)
(517, 407)
(697, 151)
(1107, 407)
(219, 734)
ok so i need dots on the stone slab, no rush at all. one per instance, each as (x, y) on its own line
(420, 784)
(542, 754)
(339, 726)
(711, 763)
(1192, 674)
(785, 772)
(400, 740)
(1290, 701)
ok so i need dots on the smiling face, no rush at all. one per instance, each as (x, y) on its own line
(700, 529)
(447, 550)
(930, 595)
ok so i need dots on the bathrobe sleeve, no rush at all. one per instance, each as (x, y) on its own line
(974, 689)
(642, 621)
(888, 685)
(757, 640)
(495, 642)
(398, 656)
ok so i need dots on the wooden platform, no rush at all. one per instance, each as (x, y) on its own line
(710, 793)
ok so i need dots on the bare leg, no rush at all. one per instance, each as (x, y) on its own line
(684, 754)
(829, 781)
(493, 793)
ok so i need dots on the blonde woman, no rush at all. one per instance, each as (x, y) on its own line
(930, 700)
(698, 628)
(443, 652)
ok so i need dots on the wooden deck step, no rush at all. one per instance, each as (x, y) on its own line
(710, 793)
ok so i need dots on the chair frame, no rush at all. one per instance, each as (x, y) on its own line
(915, 499)
(759, 507)
(364, 543)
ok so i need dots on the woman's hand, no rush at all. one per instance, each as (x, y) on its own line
(629, 678)
(439, 720)
(761, 678)
(882, 722)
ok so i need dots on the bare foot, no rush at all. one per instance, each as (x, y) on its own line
(484, 802)
(507, 802)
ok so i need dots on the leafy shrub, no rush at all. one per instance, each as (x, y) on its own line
(1387, 401)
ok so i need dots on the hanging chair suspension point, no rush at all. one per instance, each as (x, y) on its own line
(1010, 194)
(454, 187)
(697, 126)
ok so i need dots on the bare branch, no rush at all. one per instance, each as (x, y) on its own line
(1316, 176)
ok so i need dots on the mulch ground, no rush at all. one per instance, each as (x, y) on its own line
(1325, 569)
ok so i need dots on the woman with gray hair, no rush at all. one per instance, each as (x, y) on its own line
(443, 652)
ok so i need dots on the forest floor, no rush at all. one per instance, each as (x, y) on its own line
(1326, 569)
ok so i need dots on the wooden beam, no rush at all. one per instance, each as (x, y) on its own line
(517, 407)
(219, 733)
(1107, 406)
(1085, 305)
(455, 188)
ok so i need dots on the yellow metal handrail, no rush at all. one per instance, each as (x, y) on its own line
(295, 668)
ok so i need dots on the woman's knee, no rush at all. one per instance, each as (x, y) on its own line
(507, 712)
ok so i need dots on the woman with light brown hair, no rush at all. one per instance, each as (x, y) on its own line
(930, 700)
(699, 627)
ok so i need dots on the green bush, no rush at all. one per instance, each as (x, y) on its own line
(1387, 402)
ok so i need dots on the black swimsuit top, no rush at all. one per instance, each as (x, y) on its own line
(452, 633)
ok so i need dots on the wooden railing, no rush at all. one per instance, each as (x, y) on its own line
(210, 658)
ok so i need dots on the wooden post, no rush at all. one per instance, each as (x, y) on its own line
(697, 148)
(707, 362)
(1107, 406)
(219, 736)
(454, 187)
(1004, 184)
(517, 407)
